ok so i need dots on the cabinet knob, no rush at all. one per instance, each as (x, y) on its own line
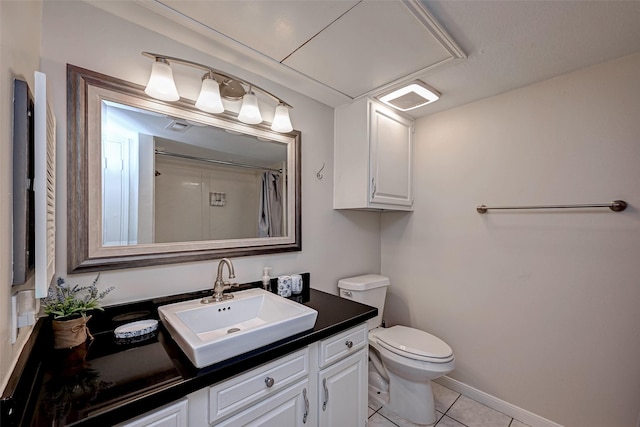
(349, 344)
(269, 381)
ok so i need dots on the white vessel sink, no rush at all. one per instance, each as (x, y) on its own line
(210, 333)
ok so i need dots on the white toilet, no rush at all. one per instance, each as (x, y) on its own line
(402, 360)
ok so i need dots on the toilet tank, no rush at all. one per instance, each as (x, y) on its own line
(369, 289)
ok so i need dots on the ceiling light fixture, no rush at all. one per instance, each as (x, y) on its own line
(215, 86)
(415, 94)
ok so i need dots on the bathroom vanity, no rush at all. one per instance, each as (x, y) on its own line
(324, 383)
(314, 378)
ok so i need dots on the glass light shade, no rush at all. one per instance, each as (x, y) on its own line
(250, 112)
(209, 99)
(161, 85)
(281, 120)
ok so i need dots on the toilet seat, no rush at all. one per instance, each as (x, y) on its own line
(414, 344)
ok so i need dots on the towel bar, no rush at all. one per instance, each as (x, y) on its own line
(616, 206)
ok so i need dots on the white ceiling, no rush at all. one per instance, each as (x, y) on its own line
(351, 47)
(334, 51)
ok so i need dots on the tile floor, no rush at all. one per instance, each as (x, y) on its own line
(453, 410)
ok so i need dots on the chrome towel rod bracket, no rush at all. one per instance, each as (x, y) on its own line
(616, 206)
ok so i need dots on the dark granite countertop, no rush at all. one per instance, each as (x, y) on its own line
(107, 381)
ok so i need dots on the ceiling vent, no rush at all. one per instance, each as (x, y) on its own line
(415, 94)
(178, 126)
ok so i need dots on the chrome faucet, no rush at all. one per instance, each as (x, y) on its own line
(220, 285)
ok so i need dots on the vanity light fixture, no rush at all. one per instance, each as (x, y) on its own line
(250, 112)
(215, 86)
(415, 94)
(161, 85)
(281, 120)
(209, 99)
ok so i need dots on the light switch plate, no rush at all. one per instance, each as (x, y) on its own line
(26, 308)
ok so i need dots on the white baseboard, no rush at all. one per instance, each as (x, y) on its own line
(493, 402)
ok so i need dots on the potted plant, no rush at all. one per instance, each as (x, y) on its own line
(68, 307)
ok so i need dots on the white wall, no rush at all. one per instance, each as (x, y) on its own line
(19, 57)
(541, 308)
(334, 244)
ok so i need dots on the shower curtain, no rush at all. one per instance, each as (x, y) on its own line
(270, 211)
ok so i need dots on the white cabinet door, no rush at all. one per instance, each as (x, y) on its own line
(173, 415)
(391, 137)
(289, 408)
(373, 158)
(342, 392)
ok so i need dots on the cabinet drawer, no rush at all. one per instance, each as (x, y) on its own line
(239, 392)
(340, 345)
(173, 415)
(287, 408)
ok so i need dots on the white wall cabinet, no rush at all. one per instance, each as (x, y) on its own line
(373, 158)
(321, 385)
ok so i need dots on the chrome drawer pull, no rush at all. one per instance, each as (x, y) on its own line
(349, 344)
(269, 381)
(326, 394)
(306, 406)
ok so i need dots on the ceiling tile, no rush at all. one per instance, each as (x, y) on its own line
(274, 28)
(383, 40)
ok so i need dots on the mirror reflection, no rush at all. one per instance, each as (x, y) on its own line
(169, 179)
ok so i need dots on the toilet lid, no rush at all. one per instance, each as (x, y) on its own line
(415, 344)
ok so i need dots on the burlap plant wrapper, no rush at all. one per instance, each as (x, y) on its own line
(70, 333)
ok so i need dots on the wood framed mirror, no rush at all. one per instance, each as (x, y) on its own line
(151, 182)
